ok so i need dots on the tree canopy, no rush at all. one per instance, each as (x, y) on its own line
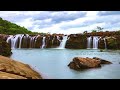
(7, 27)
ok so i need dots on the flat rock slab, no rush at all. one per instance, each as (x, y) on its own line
(9, 67)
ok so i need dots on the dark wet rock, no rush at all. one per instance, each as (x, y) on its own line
(52, 41)
(76, 41)
(38, 42)
(102, 61)
(101, 43)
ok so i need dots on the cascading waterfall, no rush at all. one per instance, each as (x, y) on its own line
(105, 43)
(43, 41)
(21, 40)
(14, 40)
(32, 42)
(63, 42)
(95, 42)
(9, 38)
(26, 41)
(89, 40)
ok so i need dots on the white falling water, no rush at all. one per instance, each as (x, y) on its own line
(95, 42)
(43, 41)
(89, 40)
(58, 38)
(105, 43)
(21, 40)
(32, 44)
(14, 40)
(63, 43)
(9, 38)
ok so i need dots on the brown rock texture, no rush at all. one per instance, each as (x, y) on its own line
(79, 63)
(11, 69)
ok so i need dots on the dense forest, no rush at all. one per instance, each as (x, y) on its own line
(7, 27)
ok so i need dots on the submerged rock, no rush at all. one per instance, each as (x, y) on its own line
(10, 69)
(102, 61)
(79, 63)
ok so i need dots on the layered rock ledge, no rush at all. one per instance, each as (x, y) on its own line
(11, 69)
(79, 63)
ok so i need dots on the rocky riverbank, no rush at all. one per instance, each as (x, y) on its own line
(5, 48)
(11, 69)
(98, 40)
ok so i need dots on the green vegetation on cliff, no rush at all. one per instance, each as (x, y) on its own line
(7, 27)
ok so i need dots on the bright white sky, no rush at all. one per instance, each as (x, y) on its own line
(66, 22)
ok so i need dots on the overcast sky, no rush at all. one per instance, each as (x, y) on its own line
(66, 22)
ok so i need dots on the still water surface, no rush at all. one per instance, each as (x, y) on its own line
(52, 63)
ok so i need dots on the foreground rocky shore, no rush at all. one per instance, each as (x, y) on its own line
(11, 69)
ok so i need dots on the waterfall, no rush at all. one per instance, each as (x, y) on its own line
(9, 38)
(21, 40)
(14, 40)
(89, 40)
(58, 38)
(63, 42)
(95, 42)
(105, 43)
(43, 42)
(32, 43)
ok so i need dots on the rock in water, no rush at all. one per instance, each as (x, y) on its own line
(84, 63)
(10, 69)
(79, 63)
(102, 61)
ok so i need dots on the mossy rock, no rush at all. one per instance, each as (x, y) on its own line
(5, 48)
(112, 43)
(77, 42)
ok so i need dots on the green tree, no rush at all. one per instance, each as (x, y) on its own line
(99, 28)
(94, 31)
(7, 27)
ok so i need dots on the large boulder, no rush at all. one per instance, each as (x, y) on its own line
(5, 48)
(11, 69)
(80, 63)
(84, 63)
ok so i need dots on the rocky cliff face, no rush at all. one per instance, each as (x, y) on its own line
(106, 41)
(11, 69)
(5, 48)
(76, 41)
